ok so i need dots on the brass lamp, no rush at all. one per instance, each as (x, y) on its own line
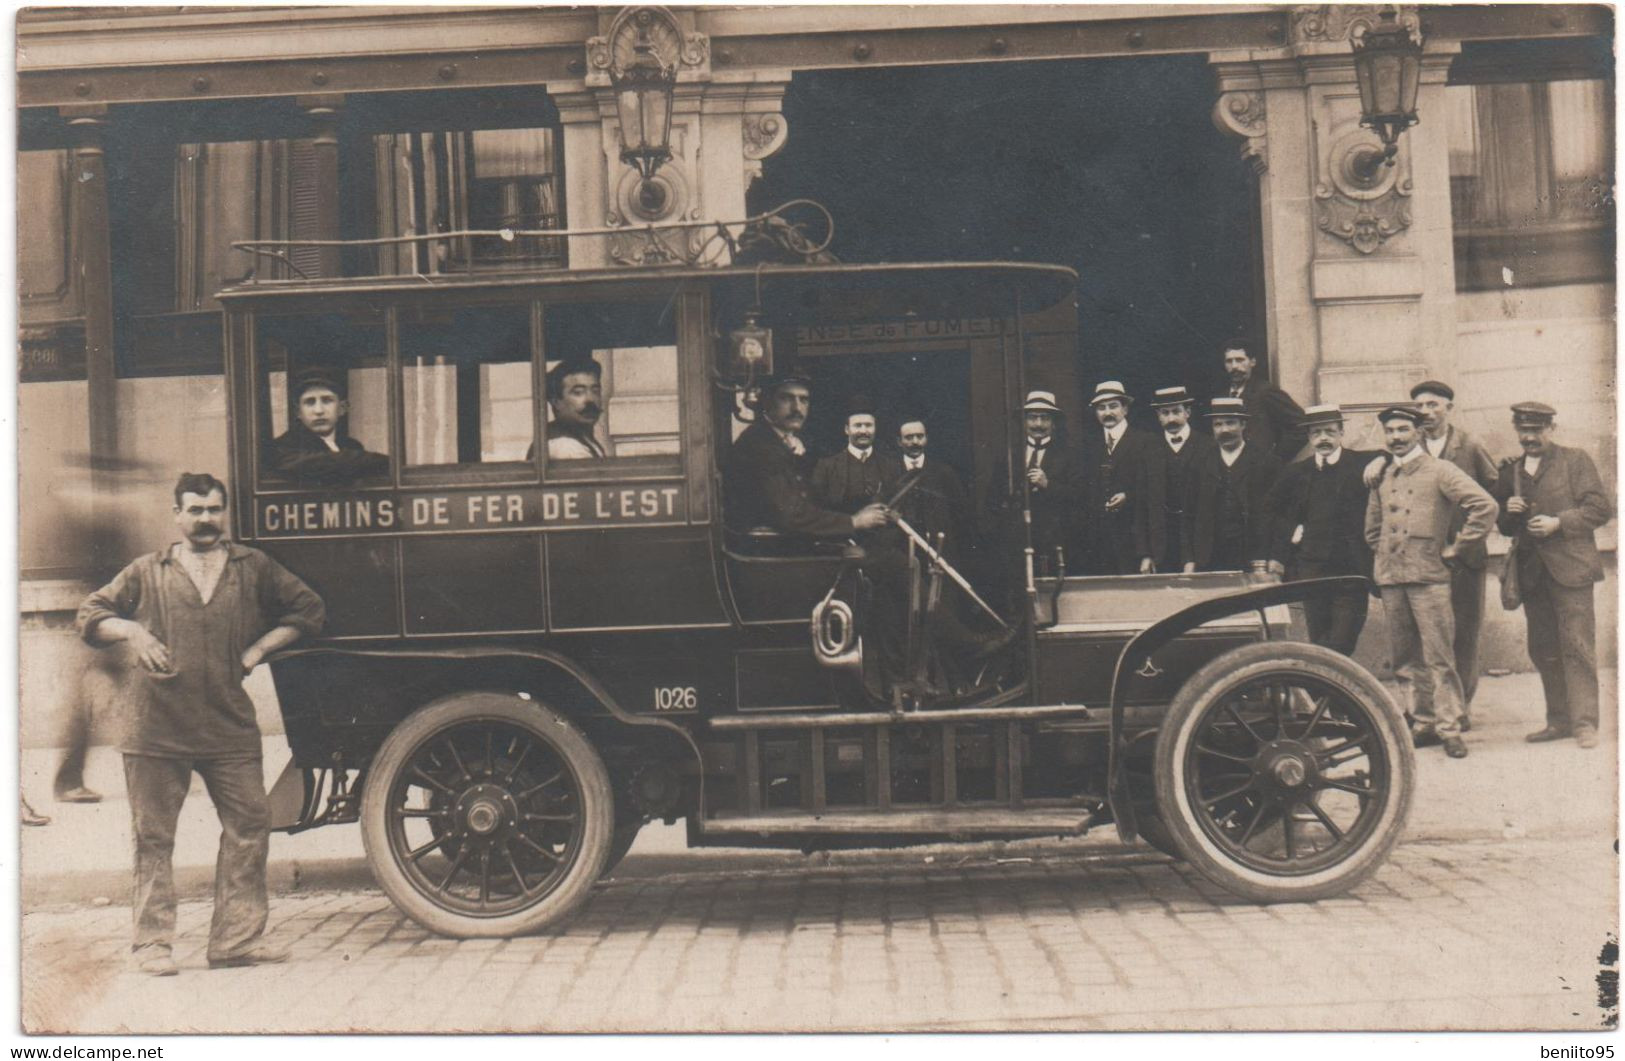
(1388, 67)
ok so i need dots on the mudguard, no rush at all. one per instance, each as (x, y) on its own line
(1140, 648)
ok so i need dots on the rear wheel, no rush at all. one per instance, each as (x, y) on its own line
(1283, 772)
(486, 815)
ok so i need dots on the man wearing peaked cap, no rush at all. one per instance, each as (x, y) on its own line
(1319, 504)
(1407, 518)
(1123, 487)
(1181, 449)
(1436, 401)
(1227, 521)
(850, 479)
(1552, 503)
(317, 450)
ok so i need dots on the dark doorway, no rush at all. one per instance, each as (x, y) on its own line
(1110, 166)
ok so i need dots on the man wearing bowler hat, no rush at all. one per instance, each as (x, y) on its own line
(1553, 502)
(1319, 506)
(852, 478)
(1051, 478)
(1227, 519)
(1182, 448)
(317, 450)
(1407, 521)
(1123, 487)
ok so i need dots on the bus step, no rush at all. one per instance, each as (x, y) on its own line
(962, 822)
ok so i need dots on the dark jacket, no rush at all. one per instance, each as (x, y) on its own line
(937, 503)
(844, 483)
(1177, 470)
(1466, 453)
(767, 487)
(1334, 537)
(1057, 508)
(1568, 487)
(1122, 537)
(1256, 469)
(1274, 420)
(300, 455)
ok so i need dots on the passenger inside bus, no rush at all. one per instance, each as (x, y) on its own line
(575, 395)
(317, 450)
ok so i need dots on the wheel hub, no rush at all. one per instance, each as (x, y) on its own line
(1288, 763)
(485, 810)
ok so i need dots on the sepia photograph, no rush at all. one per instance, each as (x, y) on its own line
(816, 519)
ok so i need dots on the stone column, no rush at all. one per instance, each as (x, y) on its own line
(722, 127)
(1359, 272)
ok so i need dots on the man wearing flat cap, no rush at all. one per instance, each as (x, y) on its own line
(1181, 449)
(1407, 526)
(1227, 521)
(317, 450)
(1319, 506)
(1050, 476)
(1123, 488)
(852, 478)
(1553, 502)
(1273, 416)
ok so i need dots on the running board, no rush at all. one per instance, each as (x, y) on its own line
(807, 720)
(991, 821)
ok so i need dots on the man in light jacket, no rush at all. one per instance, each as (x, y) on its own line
(1407, 524)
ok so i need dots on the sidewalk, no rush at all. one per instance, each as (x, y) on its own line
(1506, 790)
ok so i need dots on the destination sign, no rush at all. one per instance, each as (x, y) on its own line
(870, 331)
(410, 512)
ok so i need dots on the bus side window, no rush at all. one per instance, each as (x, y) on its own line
(612, 387)
(323, 401)
(466, 386)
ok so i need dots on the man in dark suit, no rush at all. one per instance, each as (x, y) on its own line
(1273, 418)
(1049, 478)
(1181, 450)
(850, 479)
(936, 503)
(1552, 502)
(1227, 502)
(1123, 488)
(1319, 504)
(766, 472)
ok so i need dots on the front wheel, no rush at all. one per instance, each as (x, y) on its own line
(1283, 772)
(487, 815)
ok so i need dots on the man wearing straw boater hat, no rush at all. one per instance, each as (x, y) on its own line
(1406, 520)
(1182, 448)
(1553, 502)
(1053, 481)
(1227, 502)
(1319, 505)
(1123, 485)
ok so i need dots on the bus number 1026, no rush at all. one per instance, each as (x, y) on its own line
(676, 698)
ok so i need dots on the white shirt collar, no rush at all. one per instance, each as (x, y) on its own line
(910, 463)
(1230, 457)
(1176, 442)
(860, 454)
(331, 441)
(1337, 455)
(1436, 446)
(1116, 433)
(1416, 451)
(1531, 465)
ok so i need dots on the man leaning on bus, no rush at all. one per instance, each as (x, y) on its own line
(198, 617)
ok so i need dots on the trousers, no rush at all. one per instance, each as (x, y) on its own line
(1467, 601)
(1421, 635)
(1334, 621)
(157, 788)
(1563, 647)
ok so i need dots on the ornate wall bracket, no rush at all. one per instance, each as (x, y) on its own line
(1340, 23)
(1242, 114)
(1360, 205)
(763, 135)
(675, 45)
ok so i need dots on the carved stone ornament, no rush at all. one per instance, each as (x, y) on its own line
(764, 135)
(690, 53)
(1363, 215)
(641, 246)
(1340, 23)
(1242, 114)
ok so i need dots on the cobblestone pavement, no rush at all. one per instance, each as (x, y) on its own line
(1465, 935)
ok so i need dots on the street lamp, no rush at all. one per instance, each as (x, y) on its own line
(1388, 67)
(644, 84)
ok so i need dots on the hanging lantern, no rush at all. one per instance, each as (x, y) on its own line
(1388, 68)
(643, 94)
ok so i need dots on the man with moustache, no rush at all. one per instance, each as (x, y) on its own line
(1273, 418)
(1227, 521)
(936, 503)
(575, 394)
(1051, 479)
(850, 479)
(317, 450)
(198, 617)
(1181, 450)
(1407, 522)
(767, 483)
(1319, 504)
(1124, 487)
(1553, 503)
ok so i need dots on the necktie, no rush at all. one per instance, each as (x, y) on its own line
(1111, 443)
(1035, 450)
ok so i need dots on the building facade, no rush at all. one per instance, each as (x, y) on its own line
(152, 139)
